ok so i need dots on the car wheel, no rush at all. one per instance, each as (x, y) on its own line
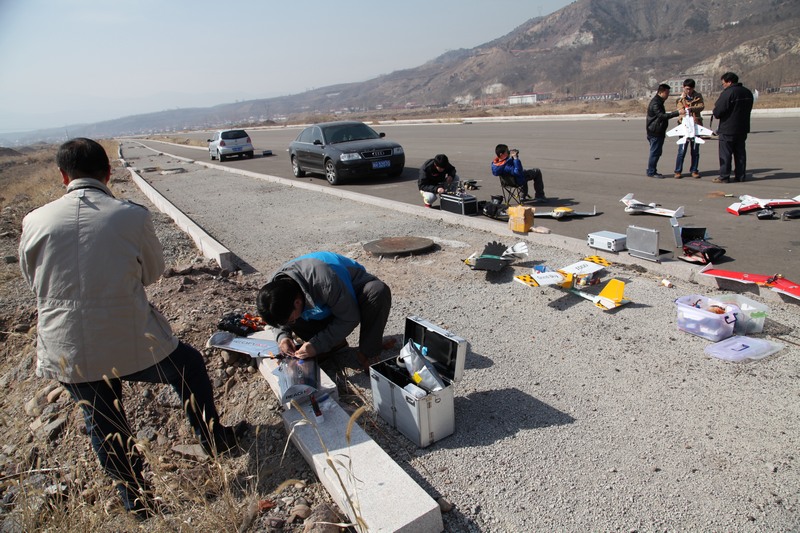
(330, 172)
(220, 157)
(296, 170)
(248, 155)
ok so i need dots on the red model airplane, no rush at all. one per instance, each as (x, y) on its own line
(776, 283)
(751, 203)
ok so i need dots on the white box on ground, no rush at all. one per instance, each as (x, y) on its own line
(431, 418)
(606, 240)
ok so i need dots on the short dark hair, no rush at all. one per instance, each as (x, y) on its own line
(729, 77)
(663, 87)
(83, 158)
(500, 149)
(275, 300)
(441, 160)
(689, 82)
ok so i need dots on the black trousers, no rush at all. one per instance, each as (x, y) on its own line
(732, 150)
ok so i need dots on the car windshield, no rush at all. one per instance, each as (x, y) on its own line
(234, 134)
(349, 132)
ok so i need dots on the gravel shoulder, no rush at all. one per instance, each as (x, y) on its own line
(567, 418)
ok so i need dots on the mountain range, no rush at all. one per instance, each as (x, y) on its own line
(589, 46)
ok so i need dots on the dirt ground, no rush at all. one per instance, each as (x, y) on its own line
(49, 476)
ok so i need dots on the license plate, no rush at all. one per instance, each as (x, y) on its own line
(381, 164)
(237, 148)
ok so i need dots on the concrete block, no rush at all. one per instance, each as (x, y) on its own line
(361, 478)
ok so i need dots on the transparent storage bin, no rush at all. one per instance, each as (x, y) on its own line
(695, 317)
(753, 313)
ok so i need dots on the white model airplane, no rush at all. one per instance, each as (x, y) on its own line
(635, 207)
(574, 277)
(751, 203)
(689, 130)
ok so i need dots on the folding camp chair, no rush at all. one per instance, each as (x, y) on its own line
(511, 191)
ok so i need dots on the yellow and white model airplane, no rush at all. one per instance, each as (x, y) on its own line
(575, 277)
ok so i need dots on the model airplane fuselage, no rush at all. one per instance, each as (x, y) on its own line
(575, 277)
(689, 130)
(751, 203)
(635, 207)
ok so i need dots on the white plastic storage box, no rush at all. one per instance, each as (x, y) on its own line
(696, 315)
(753, 313)
(427, 418)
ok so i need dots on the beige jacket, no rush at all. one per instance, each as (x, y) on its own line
(88, 256)
(695, 105)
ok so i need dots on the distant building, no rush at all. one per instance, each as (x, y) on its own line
(600, 96)
(703, 84)
(532, 98)
(790, 88)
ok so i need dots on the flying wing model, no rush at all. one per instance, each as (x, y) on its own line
(689, 130)
(496, 256)
(751, 203)
(775, 283)
(635, 207)
(564, 212)
(575, 277)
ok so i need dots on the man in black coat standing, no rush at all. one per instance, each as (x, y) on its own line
(657, 122)
(733, 109)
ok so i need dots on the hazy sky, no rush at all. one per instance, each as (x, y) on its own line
(72, 61)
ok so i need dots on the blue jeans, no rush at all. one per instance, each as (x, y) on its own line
(107, 425)
(695, 157)
(656, 148)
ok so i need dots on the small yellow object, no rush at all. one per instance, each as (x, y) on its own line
(520, 218)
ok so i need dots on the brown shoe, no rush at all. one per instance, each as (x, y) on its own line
(720, 180)
(696, 175)
(677, 176)
(365, 361)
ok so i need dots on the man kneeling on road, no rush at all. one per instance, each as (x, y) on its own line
(321, 298)
(436, 177)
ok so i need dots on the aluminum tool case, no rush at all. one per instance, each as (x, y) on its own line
(643, 243)
(460, 204)
(606, 240)
(431, 418)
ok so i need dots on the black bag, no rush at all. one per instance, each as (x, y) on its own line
(495, 208)
(701, 251)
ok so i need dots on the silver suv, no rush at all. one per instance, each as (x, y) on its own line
(226, 143)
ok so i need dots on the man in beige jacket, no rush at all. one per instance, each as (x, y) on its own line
(88, 256)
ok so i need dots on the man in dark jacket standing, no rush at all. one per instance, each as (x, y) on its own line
(657, 122)
(733, 109)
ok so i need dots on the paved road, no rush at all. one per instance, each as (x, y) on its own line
(590, 163)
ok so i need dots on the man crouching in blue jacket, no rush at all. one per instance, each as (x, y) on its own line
(321, 297)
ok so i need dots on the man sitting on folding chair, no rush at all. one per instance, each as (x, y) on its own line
(507, 164)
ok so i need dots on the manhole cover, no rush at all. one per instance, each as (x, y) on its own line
(398, 245)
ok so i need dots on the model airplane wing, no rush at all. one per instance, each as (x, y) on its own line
(252, 347)
(775, 283)
(565, 212)
(582, 268)
(751, 203)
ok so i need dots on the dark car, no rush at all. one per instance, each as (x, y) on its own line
(343, 149)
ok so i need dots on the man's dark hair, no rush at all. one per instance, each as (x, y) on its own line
(83, 158)
(500, 149)
(729, 77)
(275, 300)
(689, 82)
(441, 160)
(663, 87)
